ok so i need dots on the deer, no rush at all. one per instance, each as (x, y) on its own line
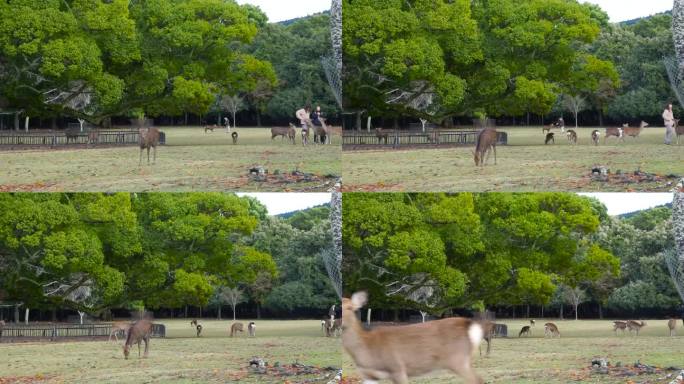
(621, 325)
(280, 131)
(193, 323)
(596, 137)
(634, 325)
(560, 123)
(292, 134)
(486, 141)
(210, 128)
(382, 135)
(235, 328)
(321, 134)
(532, 323)
(550, 329)
(140, 331)
(118, 327)
(397, 353)
(93, 137)
(678, 129)
(672, 325)
(550, 138)
(332, 327)
(149, 138)
(234, 135)
(198, 327)
(572, 136)
(251, 328)
(634, 131)
(526, 330)
(489, 329)
(617, 132)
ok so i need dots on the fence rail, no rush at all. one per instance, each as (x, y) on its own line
(57, 331)
(63, 139)
(397, 139)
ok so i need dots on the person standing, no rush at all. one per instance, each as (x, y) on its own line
(304, 119)
(316, 117)
(668, 117)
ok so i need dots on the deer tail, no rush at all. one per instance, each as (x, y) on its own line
(475, 334)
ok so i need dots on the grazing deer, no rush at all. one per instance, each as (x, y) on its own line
(621, 325)
(140, 331)
(572, 136)
(322, 133)
(382, 135)
(397, 353)
(488, 329)
(672, 325)
(251, 328)
(526, 330)
(560, 123)
(117, 328)
(532, 323)
(324, 327)
(199, 329)
(486, 141)
(550, 329)
(617, 132)
(634, 131)
(234, 135)
(292, 134)
(235, 328)
(550, 137)
(210, 128)
(280, 131)
(333, 327)
(634, 325)
(149, 138)
(596, 136)
(193, 323)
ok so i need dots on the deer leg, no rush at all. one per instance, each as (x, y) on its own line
(464, 369)
(155, 154)
(138, 349)
(148, 155)
(141, 153)
(147, 345)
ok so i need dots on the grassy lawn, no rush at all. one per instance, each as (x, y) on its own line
(180, 358)
(191, 160)
(526, 164)
(568, 359)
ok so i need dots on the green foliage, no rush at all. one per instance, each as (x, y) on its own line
(307, 219)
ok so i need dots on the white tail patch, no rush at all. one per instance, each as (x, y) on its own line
(475, 334)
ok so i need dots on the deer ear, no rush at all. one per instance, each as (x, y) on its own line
(359, 299)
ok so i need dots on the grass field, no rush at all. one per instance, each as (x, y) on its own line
(526, 164)
(180, 358)
(568, 359)
(191, 160)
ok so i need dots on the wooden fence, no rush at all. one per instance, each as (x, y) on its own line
(398, 139)
(15, 332)
(61, 139)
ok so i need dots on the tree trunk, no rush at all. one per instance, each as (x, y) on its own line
(561, 312)
(234, 312)
(54, 315)
(528, 118)
(53, 123)
(528, 311)
(16, 121)
(26, 124)
(258, 311)
(358, 121)
(234, 120)
(186, 312)
(186, 122)
(542, 311)
(600, 310)
(368, 317)
(600, 118)
(576, 314)
(200, 312)
(80, 315)
(422, 315)
(26, 315)
(258, 116)
(16, 314)
(219, 312)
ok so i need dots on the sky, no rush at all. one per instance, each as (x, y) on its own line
(622, 10)
(278, 203)
(620, 203)
(280, 10)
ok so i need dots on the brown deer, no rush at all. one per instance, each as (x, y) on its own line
(322, 133)
(332, 327)
(235, 328)
(526, 330)
(280, 131)
(634, 131)
(550, 329)
(550, 138)
(678, 129)
(672, 325)
(397, 353)
(621, 325)
(193, 323)
(234, 135)
(251, 328)
(634, 325)
(93, 137)
(596, 136)
(140, 331)
(532, 323)
(119, 327)
(210, 128)
(489, 329)
(382, 135)
(617, 132)
(572, 136)
(486, 141)
(149, 138)
(292, 134)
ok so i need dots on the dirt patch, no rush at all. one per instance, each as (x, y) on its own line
(25, 379)
(601, 367)
(295, 372)
(643, 181)
(261, 177)
(26, 187)
(377, 187)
